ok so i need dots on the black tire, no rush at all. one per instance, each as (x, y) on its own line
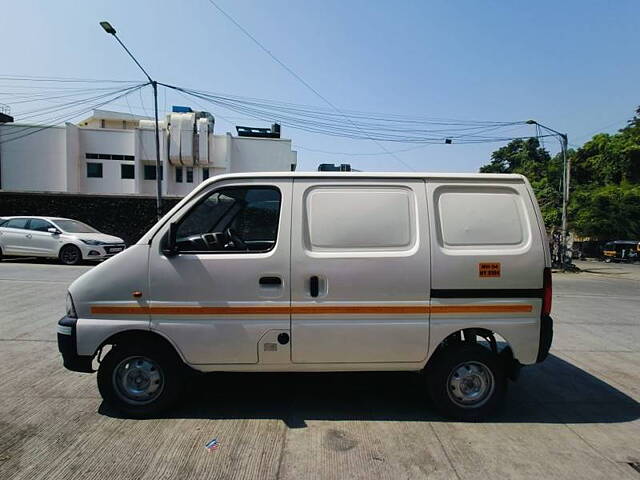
(482, 365)
(170, 369)
(70, 255)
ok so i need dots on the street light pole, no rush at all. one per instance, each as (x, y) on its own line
(112, 31)
(566, 175)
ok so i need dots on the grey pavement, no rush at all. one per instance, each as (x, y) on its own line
(575, 416)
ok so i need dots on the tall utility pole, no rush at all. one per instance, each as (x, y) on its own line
(112, 31)
(566, 176)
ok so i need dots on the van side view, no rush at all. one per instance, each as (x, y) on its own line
(443, 274)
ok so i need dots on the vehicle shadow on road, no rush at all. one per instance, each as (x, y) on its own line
(553, 392)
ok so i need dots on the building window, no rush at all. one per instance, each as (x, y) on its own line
(108, 156)
(179, 174)
(102, 123)
(94, 170)
(205, 173)
(150, 172)
(127, 171)
(189, 175)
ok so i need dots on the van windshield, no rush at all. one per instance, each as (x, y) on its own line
(74, 226)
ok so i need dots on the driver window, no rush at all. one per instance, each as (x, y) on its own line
(39, 225)
(234, 219)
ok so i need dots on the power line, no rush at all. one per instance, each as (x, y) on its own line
(298, 117)
(16, 135)
(359, 154)
(299, 78)
(34, 78)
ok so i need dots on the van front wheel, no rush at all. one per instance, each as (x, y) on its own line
(466, 381)
(140, 381)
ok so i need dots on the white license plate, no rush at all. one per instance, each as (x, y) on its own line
(115, 249)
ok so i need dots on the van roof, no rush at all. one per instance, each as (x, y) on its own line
(423, 175)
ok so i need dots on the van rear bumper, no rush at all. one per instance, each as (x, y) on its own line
(67, 347)
(546, 337)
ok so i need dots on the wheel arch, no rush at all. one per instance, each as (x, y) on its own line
(523, 338)
(69, 244)
(473, 334)
(136, 336)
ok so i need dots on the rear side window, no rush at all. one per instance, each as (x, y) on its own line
(16, 223)
(360, 218)
(481, 218)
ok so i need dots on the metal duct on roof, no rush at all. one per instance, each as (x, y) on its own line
(182, 138)
(203, 140)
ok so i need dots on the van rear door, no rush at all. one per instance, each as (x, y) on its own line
(359, 270)
(488, 260)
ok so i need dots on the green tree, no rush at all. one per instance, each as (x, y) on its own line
(528, 158)
(609, 212)
(605, 181)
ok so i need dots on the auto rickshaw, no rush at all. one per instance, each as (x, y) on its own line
(621, 251)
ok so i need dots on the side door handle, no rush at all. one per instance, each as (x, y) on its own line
(28, 235)
(270, 281)
(314, 286)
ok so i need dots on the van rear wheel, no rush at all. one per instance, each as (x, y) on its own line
(466, 381)
(140, 380)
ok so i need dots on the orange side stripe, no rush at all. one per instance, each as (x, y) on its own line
(191, 310)
(481, 308)
(312, 310)
(362, 310)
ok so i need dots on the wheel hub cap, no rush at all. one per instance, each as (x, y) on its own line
(138, 380)
(470, 384)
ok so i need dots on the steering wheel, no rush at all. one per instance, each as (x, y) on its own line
(210, 240)
(237, 241)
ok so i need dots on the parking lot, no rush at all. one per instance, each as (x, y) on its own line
(574, 416)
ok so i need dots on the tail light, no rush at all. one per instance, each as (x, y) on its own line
(547, 292)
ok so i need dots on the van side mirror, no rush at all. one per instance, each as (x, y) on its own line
(54, 231)
(170, 247)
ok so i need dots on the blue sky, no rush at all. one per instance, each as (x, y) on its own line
(571, 65)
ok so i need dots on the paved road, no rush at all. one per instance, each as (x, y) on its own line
(574, 416)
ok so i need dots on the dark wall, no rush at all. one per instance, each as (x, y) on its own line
(127, 217)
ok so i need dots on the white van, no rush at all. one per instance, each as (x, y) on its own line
(442, 273)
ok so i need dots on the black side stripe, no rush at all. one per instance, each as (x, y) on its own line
(489, 293)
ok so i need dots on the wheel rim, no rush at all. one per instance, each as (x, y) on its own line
(70, 255)
(470, 384)
(138, 380)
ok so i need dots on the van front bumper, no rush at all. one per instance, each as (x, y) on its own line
(68, 349)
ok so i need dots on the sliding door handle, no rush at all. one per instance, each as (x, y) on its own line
(314, 286)
(270, 281)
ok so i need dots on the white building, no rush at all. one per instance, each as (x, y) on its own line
(115, 153)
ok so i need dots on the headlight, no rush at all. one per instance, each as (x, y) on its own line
(71, 309)
(93, 242)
